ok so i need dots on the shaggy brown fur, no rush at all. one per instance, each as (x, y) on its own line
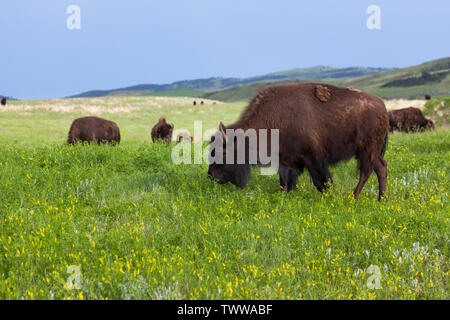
(93, 129)
(409, 119)
(162, 131)
(322, 93)
(315, 135)
(3, 101)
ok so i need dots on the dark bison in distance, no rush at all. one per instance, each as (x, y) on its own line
(93, 129)
(162, 131)
(3, 102)
(409, 119)
(319, 125)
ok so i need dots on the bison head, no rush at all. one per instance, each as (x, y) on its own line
(425, 125)
(221, 171)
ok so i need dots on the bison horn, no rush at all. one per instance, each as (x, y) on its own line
(222, 130)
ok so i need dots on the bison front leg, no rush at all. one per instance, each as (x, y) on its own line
(320, 175)
(288, 178)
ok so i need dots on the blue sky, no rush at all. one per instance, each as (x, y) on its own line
(123, 43)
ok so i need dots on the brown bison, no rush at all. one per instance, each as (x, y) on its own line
(162, 131)
(94, 129)
(319, 125)
(3, 101)
(428, 96)
(409, 119)
(194, 103)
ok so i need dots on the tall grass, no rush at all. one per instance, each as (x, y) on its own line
(138, 226)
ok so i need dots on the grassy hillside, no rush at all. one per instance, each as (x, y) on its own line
(319, 72)
(240, 93)
(431, 77)
(219, 83)
(137, 226)
(165, 93)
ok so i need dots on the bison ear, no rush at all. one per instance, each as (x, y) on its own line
(222, 131)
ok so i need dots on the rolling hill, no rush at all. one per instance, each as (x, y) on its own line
(430, 77)
(218, 83)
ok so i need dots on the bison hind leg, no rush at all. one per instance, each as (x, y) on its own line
(380, 167)
(365, 170)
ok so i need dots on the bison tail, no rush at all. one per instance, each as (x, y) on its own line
(383, 150)
(70, 138)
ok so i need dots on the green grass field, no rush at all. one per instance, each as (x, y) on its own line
(136, 226)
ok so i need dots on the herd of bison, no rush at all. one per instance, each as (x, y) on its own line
(319, 125)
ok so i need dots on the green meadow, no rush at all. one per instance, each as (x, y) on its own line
(124, 222)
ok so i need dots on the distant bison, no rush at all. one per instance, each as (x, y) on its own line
(428, 96)
(319, 125)
(409, 119)
(93, 129)
(194, 103)
(3, 101)
(162, 131)
(184, 136)
(202, 103)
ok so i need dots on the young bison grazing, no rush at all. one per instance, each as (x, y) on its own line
(409, 119)
(162, 131)
(3, 101)
(319, 125)
(93, 129)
